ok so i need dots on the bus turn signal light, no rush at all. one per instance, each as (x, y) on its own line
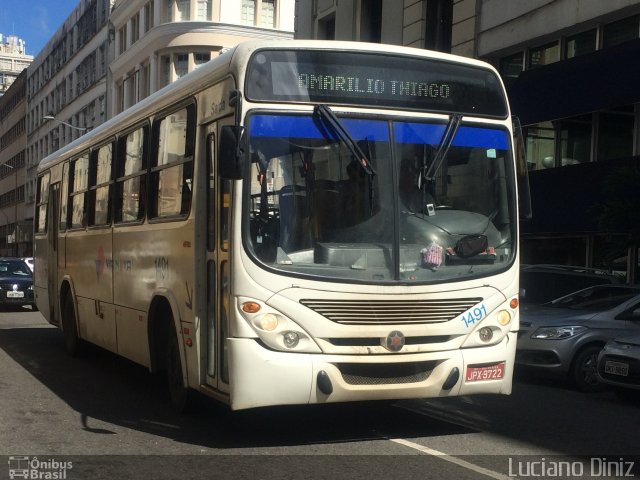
(250, 307)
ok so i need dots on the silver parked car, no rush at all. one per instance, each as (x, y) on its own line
(619, 364)
(566, 335)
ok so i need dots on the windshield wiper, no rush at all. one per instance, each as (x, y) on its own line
(443, 148)
(330, 119)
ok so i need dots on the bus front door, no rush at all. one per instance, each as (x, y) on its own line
(217, 265)
(52, 258)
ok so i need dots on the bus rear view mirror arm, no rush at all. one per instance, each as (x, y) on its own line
(232, 152)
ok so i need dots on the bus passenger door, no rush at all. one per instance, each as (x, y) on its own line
(52, 258)
(217, 269)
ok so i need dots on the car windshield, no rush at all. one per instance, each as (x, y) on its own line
(14, 269)
(597, 299)
(409, 210)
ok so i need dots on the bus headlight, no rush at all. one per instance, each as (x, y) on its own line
(504, 317)
(267, 322)
(485, 334)
(290, 339)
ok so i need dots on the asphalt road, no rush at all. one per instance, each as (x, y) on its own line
(107, 416)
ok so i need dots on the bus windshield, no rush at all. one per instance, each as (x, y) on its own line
(417, 208)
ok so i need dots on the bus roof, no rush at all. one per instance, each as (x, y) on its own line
(232, 62)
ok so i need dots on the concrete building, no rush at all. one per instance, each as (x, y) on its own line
(66, 86)
(13, 60)
(109, 54)
(572, 74)
(155, 42)
(413, 23)
(15, 235)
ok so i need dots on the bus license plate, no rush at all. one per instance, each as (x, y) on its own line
(616, 368)
(489, 372)
(15, 294)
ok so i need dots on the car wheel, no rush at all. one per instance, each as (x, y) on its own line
(179, 394)
(584, 371)
(72, 342)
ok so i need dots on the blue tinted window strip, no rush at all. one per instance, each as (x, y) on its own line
(418, 133)
(480, 138)
(290, 126)
(307, 127)
(471, 137)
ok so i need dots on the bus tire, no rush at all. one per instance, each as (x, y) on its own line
(179, 394)
(73, 344)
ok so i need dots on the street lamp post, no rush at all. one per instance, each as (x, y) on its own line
(51, 117)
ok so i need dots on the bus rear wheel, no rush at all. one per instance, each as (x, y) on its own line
(72, 342)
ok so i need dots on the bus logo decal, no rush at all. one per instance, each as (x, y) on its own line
(395, 341)
(100, 262)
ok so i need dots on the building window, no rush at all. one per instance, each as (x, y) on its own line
(512, 66)
(165, 70)
(540, 146)
(544, 55)
(168, 10)
(621, 31)
(122, 39)
(181, 64)
(201, 58)
(148, 16)
(183, 10)
(615, 135)
(327, 27)
(135, 26)
(439, 19)
(203, 10)
(371, 21)
(267, 13)
(580, 44)
(248, 12)
(575, 140)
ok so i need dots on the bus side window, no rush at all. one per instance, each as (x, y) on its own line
(100, 185)
(64, 198)
(172, 168)
(79, 183)
(130, 176)
(42, 203)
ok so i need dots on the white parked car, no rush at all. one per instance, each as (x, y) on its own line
(29, 261)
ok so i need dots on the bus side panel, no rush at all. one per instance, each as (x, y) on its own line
(134, 281)
(96, 322)
(132, 333)
(89, 264)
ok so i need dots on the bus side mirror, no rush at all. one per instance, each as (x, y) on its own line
(231, 158)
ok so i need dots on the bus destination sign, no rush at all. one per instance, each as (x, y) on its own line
(380, 80)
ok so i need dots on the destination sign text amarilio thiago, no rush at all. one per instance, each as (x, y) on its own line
(372, 86)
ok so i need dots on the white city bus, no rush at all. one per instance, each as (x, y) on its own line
(295, 222)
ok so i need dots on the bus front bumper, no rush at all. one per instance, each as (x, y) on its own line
(261, 377)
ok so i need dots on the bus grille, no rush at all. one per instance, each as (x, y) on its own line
(385, 374)
(390, 312)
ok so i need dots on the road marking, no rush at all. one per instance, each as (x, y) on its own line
(449, 458)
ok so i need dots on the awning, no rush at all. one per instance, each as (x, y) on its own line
(601, 80)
